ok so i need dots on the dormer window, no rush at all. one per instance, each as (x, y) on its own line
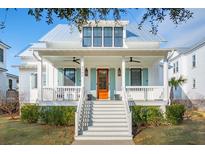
(97, 36)
(102, 37)
(1, 55)
(107, 36)
(118, 33)
(87, 36)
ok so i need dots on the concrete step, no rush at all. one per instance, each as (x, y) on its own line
(108, 109)
(122, 137)
(112, 124)
(108, 106)
(107, 103)
(109, 120)
(100, 128)
(117, 116)
(103, 112)
(103, 133)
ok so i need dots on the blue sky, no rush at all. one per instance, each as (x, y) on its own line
(22, 29)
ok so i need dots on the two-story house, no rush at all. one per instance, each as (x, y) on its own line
(107, 64)
(189, 63)
(7, 80)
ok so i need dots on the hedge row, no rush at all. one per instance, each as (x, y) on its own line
(52, 115)
(146, 115)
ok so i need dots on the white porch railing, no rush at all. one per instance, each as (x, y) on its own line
(145, 93)
(61, 93)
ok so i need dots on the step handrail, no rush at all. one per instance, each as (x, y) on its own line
(79, 114)
(128, 111)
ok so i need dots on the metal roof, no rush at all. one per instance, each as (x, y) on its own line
(64, 32)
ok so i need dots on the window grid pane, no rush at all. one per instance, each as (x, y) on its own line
(97, 36)
(87, 36)
(108, 37)
(118, 33)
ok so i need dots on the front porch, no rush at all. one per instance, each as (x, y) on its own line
(143, 82)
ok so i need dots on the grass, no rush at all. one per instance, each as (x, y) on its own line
(17, 132)
(190, 132)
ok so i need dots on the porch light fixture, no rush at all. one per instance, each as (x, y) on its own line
(119, 72)
(86, 72)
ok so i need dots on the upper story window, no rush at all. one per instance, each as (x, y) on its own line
(194, 84)
(1, 55)
(174, 68)
(102, 37)
(118, 34)
(97, 36)
(194, 61)
(87, 36)
(108, 36)
(177, 66)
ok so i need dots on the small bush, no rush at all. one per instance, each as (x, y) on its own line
(154, 116)
(52, 115)
(58, 115)
(175, 113)
(30, 113)
(144, 115)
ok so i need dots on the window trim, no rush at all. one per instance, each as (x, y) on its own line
(141, 77)
(107, 36)
(91, 37)
(118, 37)
(32, 74)
(75, 80)
(2, 59)
(194, 61)
(194, 83)
(97, 37)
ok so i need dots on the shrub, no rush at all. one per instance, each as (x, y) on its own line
(58, 115)
(30, 113)
(144, 115)
(175, 113)
(154, 116)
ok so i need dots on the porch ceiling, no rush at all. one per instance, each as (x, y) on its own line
(103, 52)
(114, 60)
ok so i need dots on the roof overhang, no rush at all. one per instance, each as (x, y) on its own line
(4, 45)
(102, 52)
(3, 69)
(12, 75)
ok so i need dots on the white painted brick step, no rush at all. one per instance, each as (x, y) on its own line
(99, 133)
(124, 137)
(108, 113)
(108, 109)
(118, 116)
(109, 120)
(104, 124)
(111, 128)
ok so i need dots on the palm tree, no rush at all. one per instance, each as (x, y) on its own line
(174, 83)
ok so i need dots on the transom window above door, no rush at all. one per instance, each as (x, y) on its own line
(102, 37)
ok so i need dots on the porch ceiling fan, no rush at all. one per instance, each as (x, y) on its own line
(73, 60)
(132, 60)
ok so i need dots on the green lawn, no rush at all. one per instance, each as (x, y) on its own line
(17, 132)
(191, 131)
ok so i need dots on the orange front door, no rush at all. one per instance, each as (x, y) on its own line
(102, 83)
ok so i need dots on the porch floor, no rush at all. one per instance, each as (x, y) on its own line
(58, 103)
(148, 103)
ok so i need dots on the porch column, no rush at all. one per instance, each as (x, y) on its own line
(165, 78)
(82, 68)
(40, 80)
(123, 72)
